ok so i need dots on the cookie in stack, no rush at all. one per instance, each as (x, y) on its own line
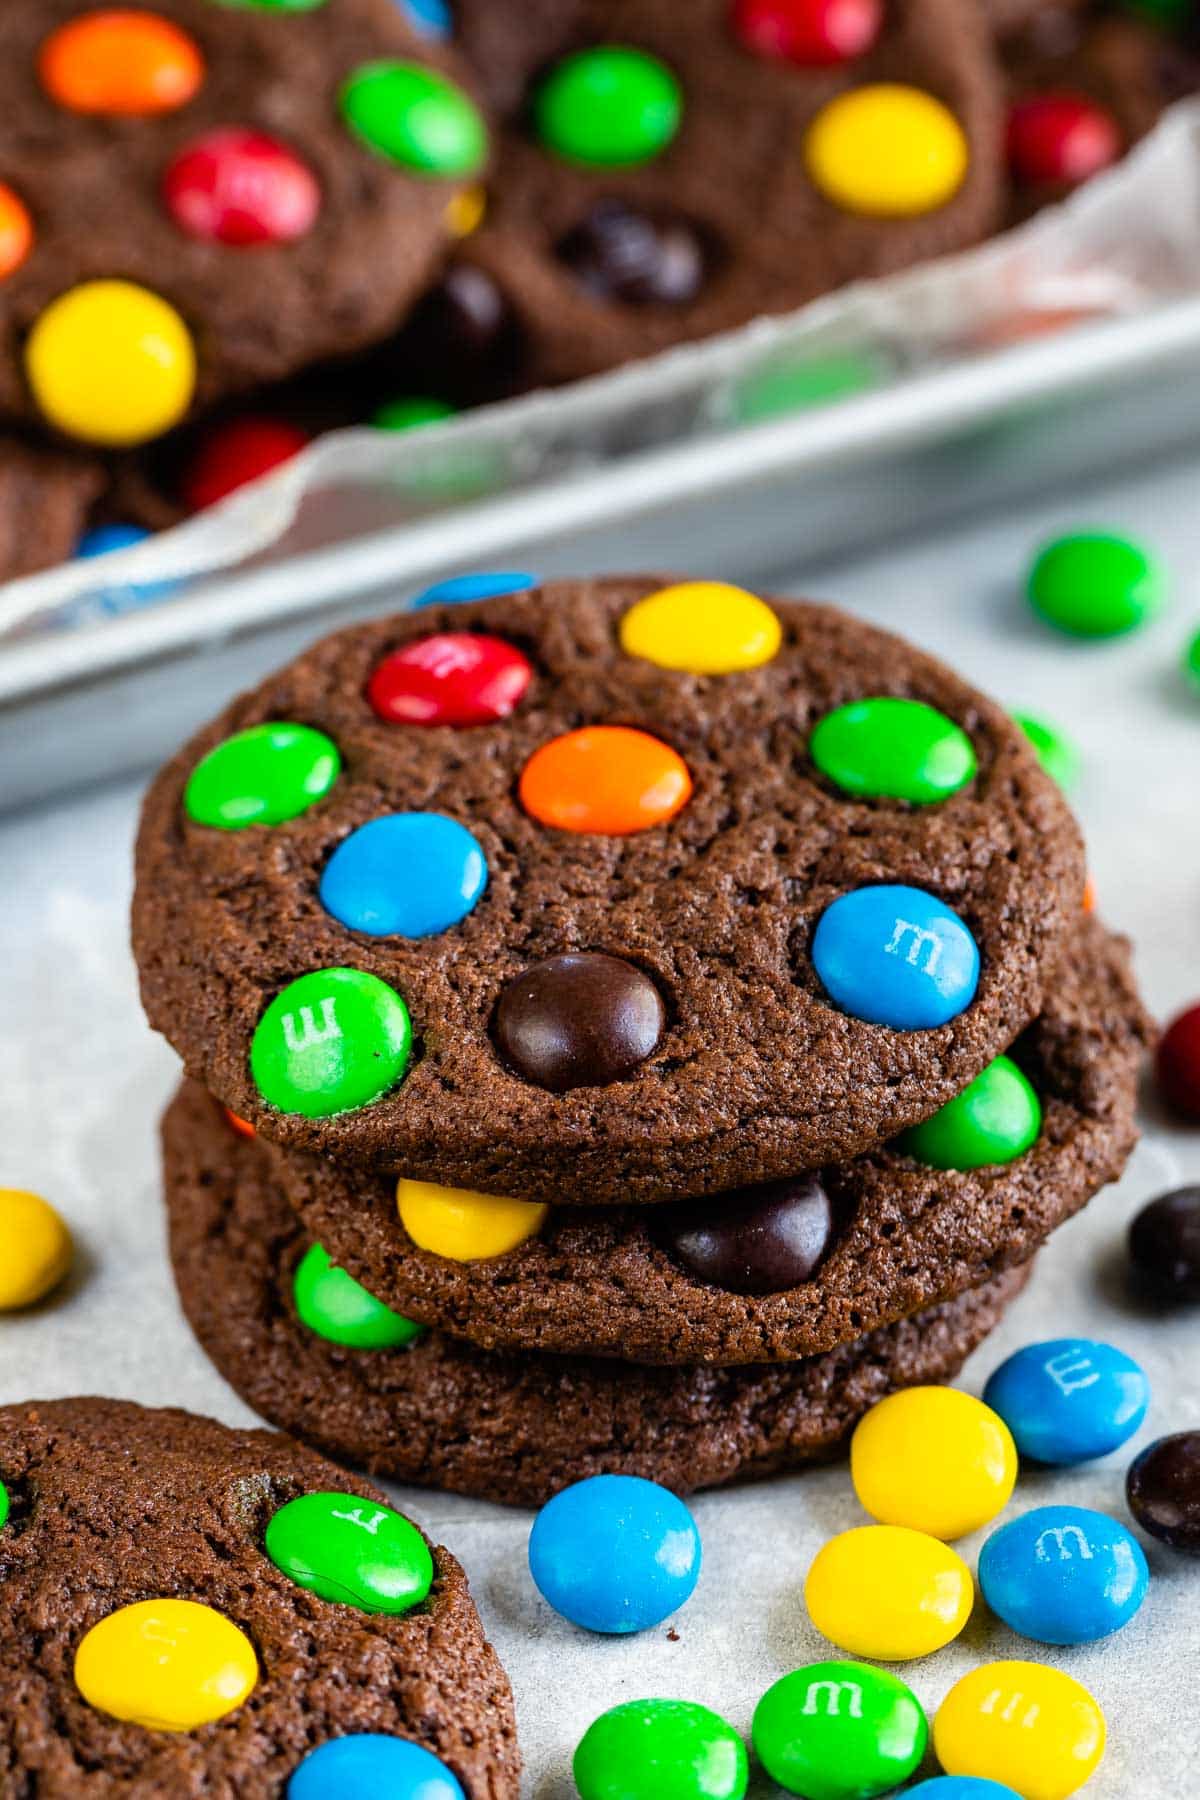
(631, 1025)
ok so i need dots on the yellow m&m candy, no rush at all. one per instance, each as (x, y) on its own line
(1023, 1724)
(111, 363)
(35, 1248)
(888, 1593)
(888, 151)
(703, 628)
(935, 1459)
(170, 1665)
(463, 1226)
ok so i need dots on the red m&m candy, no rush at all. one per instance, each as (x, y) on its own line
(814, 34)
(236, 453)
(241, 187)
(452, 678)
(1178, 1063)
(1062, 138)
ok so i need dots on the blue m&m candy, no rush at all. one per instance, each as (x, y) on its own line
(118, 597)
(1069, 1400)
(1063, 1575)
(615, 1553)
(389, 1768)
(960, 1787)
(432, 18)
(405, 875)
(896, 956)
(461, 588)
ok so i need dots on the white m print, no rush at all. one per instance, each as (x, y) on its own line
(310, 1032)
(918, 940)
(833, 1691)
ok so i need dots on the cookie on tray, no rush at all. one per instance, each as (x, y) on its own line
(199, 198)
(427, 1409)
(791, 1269)
(600, 893)
(188, 1609)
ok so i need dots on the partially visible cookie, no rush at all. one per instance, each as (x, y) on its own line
(504, 1427)
(108, 1506)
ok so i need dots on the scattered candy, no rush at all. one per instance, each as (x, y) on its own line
(368, 1763)
(995, 1119)
(839, 1731)
(240, 187)
(611, 107)
(886, 151)
(893, 749)
(454, 678)
(351, 1551)
(111, 363)
(1058, 755)
(415, 117)
(332, 1041)
(934, 1459)
(339, 1309)
(608, 779)
(1177, 1064)
(463, 1226)
(813, 34)
(660, 1750)
(579, 1021)
(1060, 138)
(1164, 1245)
(1021, 1723)
(35, 1248)
(896, 956)
(405, 875)
(265, 775)
(1063, 1575)
(762, 1240)
(1096, 585)
(167, 1665)
(231, 455)
(614, 1553)
(623, 255)
(1163, 1490)
(460, 589)
(16, 231)
(1069, 1400)
(703, 628)
(410, 413)
(120, 63)
(889, 1593)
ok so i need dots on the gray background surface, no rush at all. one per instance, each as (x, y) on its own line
(83, 1082)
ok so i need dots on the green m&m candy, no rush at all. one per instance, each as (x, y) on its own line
(340, 1310)
(1095, 585)
(415, 117)
(3, 1505)
(332, 1041)
(263, 776)
(412, 412)
(1191, 660)
(351, 1551)
(893, 749)
(609, 108)
(839, 1731)
(660, 1750)
(1055, 750)
(994, 1120)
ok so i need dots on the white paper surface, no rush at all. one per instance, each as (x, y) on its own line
(83, 1081)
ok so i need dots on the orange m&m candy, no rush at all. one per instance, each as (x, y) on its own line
(242, 1127)
(16, 231)
(608, 779)
(120, 63)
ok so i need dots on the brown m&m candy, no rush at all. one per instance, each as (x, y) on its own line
(1164, 1245)
(624, 254)
(762, 1240)
(1163, 1490)
(580, 1020)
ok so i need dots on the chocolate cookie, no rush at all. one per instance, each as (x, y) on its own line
(252, 187)
(664, 939)
(46, 496)
(825, 1259)
(110, 1506)
(509, 1428)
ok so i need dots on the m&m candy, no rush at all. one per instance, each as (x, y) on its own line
(167, 1665)
(16, 231)
(454, 678)
(994, 1120)
(893, 749)
(1023, 1724)
(609, 107)
(934, 1459)
(111, 363)
(614, 1553)
(351, 1551)
(339, 1309)
(660, 1750)
(886, 151)
(1191, 660)
(463, 1226)
(897, 956)
(415, 117)
(411, 412)
(230, 456)
(889, 1593)
(1060, 138)
(405, 875)
(1069, 1400)
(960, 1787)
(332, 1041)
(839, 1731)
(120, 62)
(1063, 1575)
(264, 775)
(1095, 584)
(581, 1020)
(370, 1763)
(1056, 752)
(35, 1248)
(457, 590)
(5, 1505)
(1163, 1490)
(702, 627)
(759, 1240)
(432, 18)
(1164, 1246)
(606, 779)
(242, 188)
(629, 256)
(102, 540)
(1177, 1064)
(813, 34)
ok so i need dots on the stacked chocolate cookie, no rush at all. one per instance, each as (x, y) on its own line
(632, 1025)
